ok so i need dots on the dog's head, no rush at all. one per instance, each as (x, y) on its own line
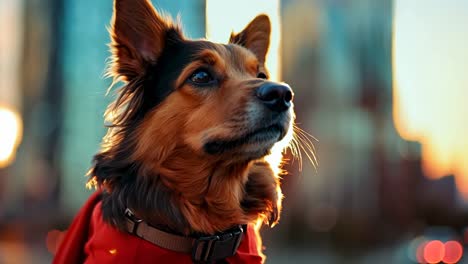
(189, 109)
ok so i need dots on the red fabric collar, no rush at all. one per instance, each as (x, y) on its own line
(90, 240)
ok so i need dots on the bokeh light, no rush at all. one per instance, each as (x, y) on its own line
(453, 252)
(420, 251)
(10, 135)
(416, 249)
(434, 251)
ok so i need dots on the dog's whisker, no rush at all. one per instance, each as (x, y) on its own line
(309, 148)
(304, 132)
(296, 152)
(306, 137)
(302, 143)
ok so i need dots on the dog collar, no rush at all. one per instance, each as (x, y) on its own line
(203, 249)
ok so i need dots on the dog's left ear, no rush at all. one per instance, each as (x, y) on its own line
(255, 37)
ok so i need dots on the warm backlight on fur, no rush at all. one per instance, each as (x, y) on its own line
(224, 16)
(10, 135)
(431, 84)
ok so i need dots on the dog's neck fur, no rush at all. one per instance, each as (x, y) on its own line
(181, 191)
(208, 194)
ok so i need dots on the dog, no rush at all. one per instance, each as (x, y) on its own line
(190, 167)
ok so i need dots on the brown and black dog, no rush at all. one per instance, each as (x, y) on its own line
(195, 129)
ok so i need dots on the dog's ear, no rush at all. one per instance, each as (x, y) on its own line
(255, 37)
(138, 36)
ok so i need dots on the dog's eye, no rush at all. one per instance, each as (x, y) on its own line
(201, 77)
(262, 75)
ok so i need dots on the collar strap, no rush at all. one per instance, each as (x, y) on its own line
(202, 249)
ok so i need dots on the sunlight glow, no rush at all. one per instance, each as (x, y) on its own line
(11, 47)
(431, 83)
(10, 135)
(224, 16)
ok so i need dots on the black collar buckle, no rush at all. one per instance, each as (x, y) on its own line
(216, 247)
(133, 222)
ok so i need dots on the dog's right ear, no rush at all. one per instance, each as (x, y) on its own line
(138, 37)
(255, 37)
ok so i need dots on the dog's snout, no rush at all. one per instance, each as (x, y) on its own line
(275, 96)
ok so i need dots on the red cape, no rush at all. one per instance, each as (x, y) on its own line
(90, 240)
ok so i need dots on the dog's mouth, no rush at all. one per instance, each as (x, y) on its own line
(259, 140)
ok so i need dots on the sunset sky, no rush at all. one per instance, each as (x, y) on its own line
(430, 58)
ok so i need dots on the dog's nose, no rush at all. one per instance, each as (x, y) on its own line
(275, 96)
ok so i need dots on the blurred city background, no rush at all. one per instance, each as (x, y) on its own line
(382, 85)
